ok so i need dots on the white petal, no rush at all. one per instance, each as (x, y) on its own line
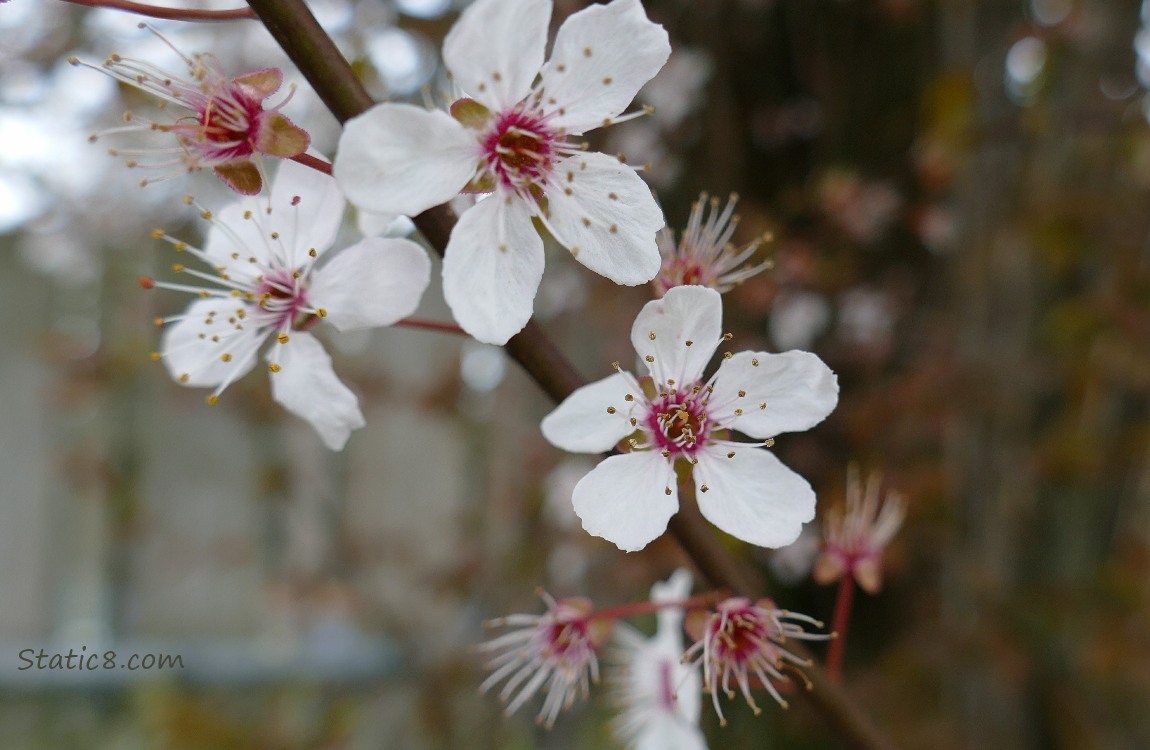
(492, 268)
(397, 158)
(604, 214)
(799, 391)
(193, 348)
(602, 57)
(371, 224)
(375, 282)
(752, 495)
(664, 327)
(306, 386)
(674, 589)
(245, 227)
(582, 424)
(624, 499)
(495, 49)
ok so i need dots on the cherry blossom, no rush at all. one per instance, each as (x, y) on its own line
(556, 652)
(704, 254)
(675, 417)
(511, 138)
(856, 537)
(226, 128)
(658, 694)
(742, 640)
(265, 284)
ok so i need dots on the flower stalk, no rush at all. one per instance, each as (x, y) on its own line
(169, 14)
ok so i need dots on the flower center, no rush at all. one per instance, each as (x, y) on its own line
(737, 635)
(282, 295)
(678, 421)
(519, 148)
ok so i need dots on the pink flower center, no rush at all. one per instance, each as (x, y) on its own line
(519, 148)
(682, 271)
(738, 634)
(282, 295)
(678, 421)
(225, 125)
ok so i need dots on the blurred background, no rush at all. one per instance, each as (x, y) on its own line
(958, 191)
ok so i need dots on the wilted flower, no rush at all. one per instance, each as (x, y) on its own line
(856, 538)
(704, 254)
(265, 284)
(511, 140)
(742, 640)
(675, 417)
(556, 652)
(658, 694)
(226, 126)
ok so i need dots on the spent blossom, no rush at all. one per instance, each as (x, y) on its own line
(676, 418)
(704, 254)
(556, 653)
(510, 138)
(856, 536)
(222, 123)
(265, 284)
(658, 694)
(741, 641)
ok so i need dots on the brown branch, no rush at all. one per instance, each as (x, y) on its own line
(170, 14)
(314, 53)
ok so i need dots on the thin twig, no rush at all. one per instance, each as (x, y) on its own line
(315, 163)
(170, 14)
(431, 325)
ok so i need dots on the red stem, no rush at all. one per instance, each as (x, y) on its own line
(842, 617)
(641, 608)
(308, 160)
(171, 14)
(431, 325)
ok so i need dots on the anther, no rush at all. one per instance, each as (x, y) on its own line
(704, 488)
(742, 393)
(651, 335)
(649, 358)
(274, 367)
(610, 409)
(146, 282)
(667, 490)
(690, 343)
(282, 338)
(754, 363)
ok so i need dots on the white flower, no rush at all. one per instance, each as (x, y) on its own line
(676, 416)
(263, 255)
(659, 694)
(511, 140)
(556, 653)
(704, 254)
(742, 640)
